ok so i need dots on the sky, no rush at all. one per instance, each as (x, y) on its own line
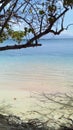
(67, 33)
(68, 20)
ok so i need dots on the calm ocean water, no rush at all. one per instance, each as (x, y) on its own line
(47, 66)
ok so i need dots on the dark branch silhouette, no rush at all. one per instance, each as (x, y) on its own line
(37, 18)
(18, 46)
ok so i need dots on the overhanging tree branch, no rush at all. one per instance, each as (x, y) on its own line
(18, 46)
(37, 18)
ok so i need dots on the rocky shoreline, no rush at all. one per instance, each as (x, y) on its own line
(52, 112)
(15, 123)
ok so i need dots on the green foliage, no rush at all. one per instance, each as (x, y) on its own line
(30, 30)
(25, 31)
(51, 19)
(68, 3)
(52, 8)
(3, 37)
(30, 10)
(35, 15)
(17, 35)
(43, 4)
(7, 26)
(41, 12)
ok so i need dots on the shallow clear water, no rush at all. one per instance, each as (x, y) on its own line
(48, 66)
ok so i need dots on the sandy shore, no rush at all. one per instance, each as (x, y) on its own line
(54, 106)
(22, 100)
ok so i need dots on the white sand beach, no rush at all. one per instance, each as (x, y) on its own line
(21, 102)
(54, 107)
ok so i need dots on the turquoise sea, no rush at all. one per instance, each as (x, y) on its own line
(47, 67)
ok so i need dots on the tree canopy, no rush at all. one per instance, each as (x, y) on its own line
(37, 18)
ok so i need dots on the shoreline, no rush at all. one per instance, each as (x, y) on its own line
(21, 98)
(53, 108)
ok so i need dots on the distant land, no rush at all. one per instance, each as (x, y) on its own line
(61, 36)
